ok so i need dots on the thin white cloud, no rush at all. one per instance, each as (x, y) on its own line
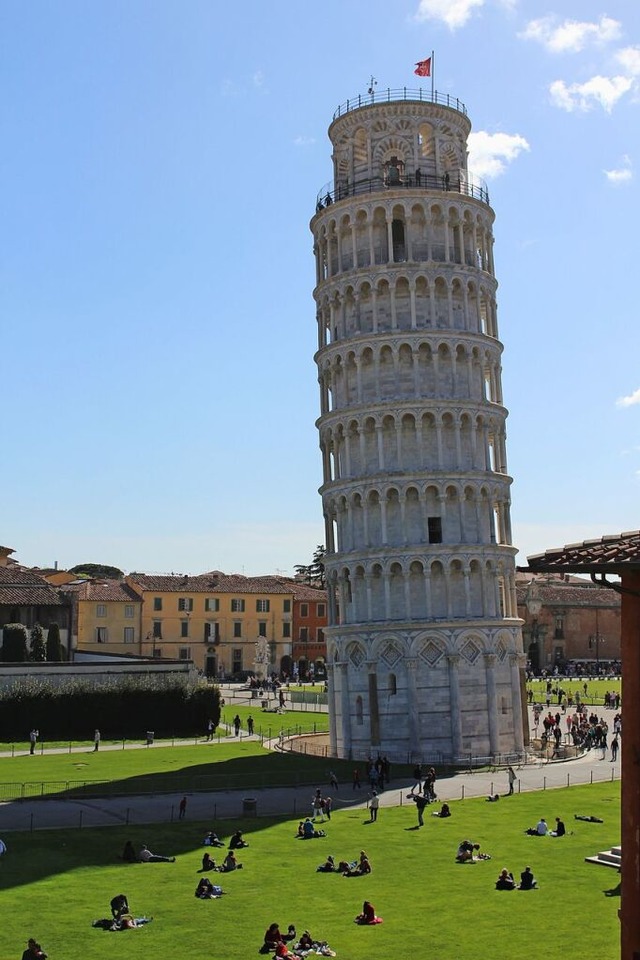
(454, 13)
(301, 141)
(258, 78)
(621, 174)
(629, 60)
(605, 91)
(571, 36)
(631, 401)
(490, 153)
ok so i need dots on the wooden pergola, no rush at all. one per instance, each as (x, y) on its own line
(618, 557)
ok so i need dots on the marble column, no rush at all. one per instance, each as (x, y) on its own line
(453, 661)
(492, 703)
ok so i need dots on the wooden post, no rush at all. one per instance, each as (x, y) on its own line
(630, 768)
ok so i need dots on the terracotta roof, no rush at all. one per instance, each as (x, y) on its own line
(103, 590)
(611, 554)
(570, 595)
(19, 587)
(302, 591)
(210, 583)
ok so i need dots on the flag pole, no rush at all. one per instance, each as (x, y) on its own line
(433, 75)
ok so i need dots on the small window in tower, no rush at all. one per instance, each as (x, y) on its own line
(359, 711)
(393, 686)
(435, 529)
(397, 233)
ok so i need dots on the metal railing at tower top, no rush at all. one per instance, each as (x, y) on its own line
(468, 187)
(402, 93)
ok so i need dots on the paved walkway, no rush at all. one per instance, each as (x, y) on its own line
(288, 801)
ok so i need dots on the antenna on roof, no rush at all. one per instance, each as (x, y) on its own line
(373, 83)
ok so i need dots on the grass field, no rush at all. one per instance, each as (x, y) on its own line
(596, 689)
(55, 883)
(225, 765)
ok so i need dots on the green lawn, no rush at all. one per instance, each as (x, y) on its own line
(215, 766)
(595, 689)
(55, 883)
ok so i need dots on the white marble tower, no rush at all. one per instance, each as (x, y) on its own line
(424, 647)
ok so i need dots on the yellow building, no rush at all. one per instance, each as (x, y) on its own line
(216, 620)
(106, 616)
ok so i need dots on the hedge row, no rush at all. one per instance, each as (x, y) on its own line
(73, 710)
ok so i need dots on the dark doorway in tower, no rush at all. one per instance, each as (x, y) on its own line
(534, 656)
(397, 235)
(286, 666)
(303, 668)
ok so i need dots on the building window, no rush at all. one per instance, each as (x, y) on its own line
(286, 631)
(559, 631)
(359, 712)
(321, 610)
(304, 634)
(304, 609)
(101, 635)
(237, 628)
(185, 603)
(237, 605)
(128, 634)
(286, 606)
(320, 635)
(184, 628)
(157, 629)
(157, 653)
(236, 660)
(262, 628)
(434, 525)
(128, 611)
(101, 610)
(262, 606)
(157, 603)
(212, 605)
(212, 631)
(185, 653)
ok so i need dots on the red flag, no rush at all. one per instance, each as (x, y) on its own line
(423, 68)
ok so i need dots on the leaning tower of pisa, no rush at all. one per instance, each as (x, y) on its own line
(424, 648)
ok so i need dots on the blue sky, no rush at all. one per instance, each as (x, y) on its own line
(159, 170)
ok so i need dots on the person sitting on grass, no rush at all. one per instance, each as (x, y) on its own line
(206, 890)
(493, 798)
(527, 880)
(466, 851)
(309, 831)
(34, 951)
(230, 863)
(505, 880)
(237, 841)
(300, 833)
(273, 937)
(212, 840)
(540, 830)
(145, 856)
(368, 915)
(444, 811)
(560, 830)
(362, 867)
(119, 906)
(129, 854)
(328, 866)
(208, 863)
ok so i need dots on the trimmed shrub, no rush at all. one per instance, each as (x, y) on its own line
(37, 644)
(54, 647)
(121, 709)
(14, 643)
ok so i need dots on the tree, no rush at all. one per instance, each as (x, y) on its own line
(14, 643)
(54, 647)
(95, 571)
(37, 644)
(313, 573)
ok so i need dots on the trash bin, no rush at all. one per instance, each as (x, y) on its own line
(265, 704)
(249, 807)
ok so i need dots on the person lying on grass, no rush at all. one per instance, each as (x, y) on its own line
(125, 922)
(362, 867)
(145, 856)
(307, 945)
(212, 840)
(328, 866)
(207, 890)
(368, 915)
(129, 854)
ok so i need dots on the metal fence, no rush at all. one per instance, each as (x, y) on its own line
(400, 93)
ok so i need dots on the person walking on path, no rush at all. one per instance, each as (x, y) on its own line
(374, 804)
(33, 739)
(96, 741)
(512, 779)
(250, 726)
(182, 809)
(614, 749)
(210, 729)
(356, 780)
(237, 723)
